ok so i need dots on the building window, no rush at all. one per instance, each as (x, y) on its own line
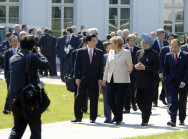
(119, 15)
(62, 15)
(174, 15)
(9, 11)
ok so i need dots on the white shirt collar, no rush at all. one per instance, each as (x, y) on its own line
(89, 50)
(178, 53)
(159, 42)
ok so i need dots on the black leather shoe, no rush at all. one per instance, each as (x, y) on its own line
(126, 111)
(107, 121)
(92, 121)
(171, 123)
(113, 120)
(134, 107)
(164, 102)
(144, 124)
(118, 122)
(154, 104)
(7, 112)
(76, 120)
(181, 123)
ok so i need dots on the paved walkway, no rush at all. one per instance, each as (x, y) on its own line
(85, 130)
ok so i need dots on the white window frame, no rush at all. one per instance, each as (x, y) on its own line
(119, 6)
(64, 5)
(174, 7)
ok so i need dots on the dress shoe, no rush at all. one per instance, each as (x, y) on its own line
(113, 120)
(164, 102)
(181, 123)
(76, 120)
(7, 112)
(171, 123)
(126, 111)
(134, 107)
(144, 124)
(92, 121)
(154, 104)
(118, 122)
(107, 121)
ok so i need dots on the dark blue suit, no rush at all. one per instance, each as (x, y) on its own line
(61, 42)
(162, 56)
(100, 45)
(132, 89)
(157, 48)
(89, 74)
(74, 42)
(175, 74)
(6, 42)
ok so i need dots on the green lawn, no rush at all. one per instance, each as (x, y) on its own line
(172, 135)
(60, 109)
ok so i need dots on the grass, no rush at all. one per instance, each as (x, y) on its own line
(170, 135)
(60, 109)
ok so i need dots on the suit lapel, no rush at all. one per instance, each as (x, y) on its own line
(119, 53)
(87, 55)
(94, 56)
(179, 58)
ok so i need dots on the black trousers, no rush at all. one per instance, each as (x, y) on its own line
(20, 125)
(130, 98)
(93, 91)
(156, 88)
(178, 99)
(144, 101)
(45, 71)
(62, 69)
(53, 67)
(8, 100)
(115, 97)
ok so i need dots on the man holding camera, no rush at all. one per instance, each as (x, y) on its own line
(19, 78)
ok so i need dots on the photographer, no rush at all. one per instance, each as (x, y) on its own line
(20, 78)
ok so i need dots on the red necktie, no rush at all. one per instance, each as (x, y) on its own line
(176, 59)
(90, 56)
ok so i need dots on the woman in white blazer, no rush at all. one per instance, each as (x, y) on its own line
(117, 74)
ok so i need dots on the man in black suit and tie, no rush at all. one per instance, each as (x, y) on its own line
(130, 45)
(88, 75)
(6, 43)
(176, 77)
(72, 43)
(8, 54)
(164, 51)
(37, 38)
(16, 31)
(61, 42)
(45, 44)
(158, 44)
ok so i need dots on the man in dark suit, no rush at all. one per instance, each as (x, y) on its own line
(37, 38)
(18, 80)
(61, 42)
(6, 43)
(176, 77)
(146, 63)
(162, 56)
(158, 44)
(125, 35)
(16, 30)
(88, 75)
(45, 44)
(130, 45)
(53, 58)
(8, 54)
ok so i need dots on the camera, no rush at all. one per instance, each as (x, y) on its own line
(29, 91)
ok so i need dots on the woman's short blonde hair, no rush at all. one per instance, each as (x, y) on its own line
(118, 40)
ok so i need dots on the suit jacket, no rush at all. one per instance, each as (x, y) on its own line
(54, 48)
(162, 55)
(8, 55)
(74, 42)
(100, 46)
(73, 61)
(156, 47)
(6, 42)
(185, 47)
(16, 33)
(150, 59)
(18, 74)
(118, 67)
(89, 73)
(37, 40)
(176, 73)
(61, 42)
(45, 44)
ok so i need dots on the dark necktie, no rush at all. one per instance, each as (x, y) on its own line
(161, 45)
(176, 59)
